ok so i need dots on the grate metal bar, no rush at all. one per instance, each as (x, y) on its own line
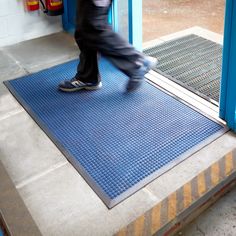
(193, 72)
(193, 62)
(170, 43)
(177, 61)
(203, 79)
(179, 48)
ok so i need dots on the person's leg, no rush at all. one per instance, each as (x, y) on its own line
(124, 56)
(87, 76)
(95, 34)
(99, 36)
(87, 70)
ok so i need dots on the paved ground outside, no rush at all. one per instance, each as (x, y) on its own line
(163, 17)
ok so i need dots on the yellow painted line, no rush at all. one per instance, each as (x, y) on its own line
(156, 218)
(229, 165)
(215, 173)
(201, 184)
(187, 194)
(172, 206)
(139, 225)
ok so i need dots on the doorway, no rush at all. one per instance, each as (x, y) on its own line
(191, 60)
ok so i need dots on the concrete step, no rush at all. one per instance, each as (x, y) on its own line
(186, 203)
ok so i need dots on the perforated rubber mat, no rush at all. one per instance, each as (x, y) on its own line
(192, 62)
(118, 142)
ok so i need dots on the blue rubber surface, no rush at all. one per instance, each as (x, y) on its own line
(118, 142)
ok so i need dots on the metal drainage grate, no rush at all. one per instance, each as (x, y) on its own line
(193, 62)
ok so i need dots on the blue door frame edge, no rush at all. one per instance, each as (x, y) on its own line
(228, 83)
(135, 23)
(113, 16)
(67, 25)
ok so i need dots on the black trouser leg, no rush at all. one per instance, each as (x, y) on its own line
(87, 70)
(96, 35)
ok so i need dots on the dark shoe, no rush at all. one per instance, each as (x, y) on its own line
(76, 85)
(136, 81)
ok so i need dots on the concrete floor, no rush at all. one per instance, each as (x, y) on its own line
(163, 17)
(218, 220)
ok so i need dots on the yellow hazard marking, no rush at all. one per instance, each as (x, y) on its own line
(156, 218)
(201, 184)
(215, 173)
(229, 163)
(172, 206)
(138, 226)
(187, 195)
(32, 3)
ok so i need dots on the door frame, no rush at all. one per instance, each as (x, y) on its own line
(228, 82)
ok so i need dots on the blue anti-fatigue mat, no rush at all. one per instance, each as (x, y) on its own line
(118, 142)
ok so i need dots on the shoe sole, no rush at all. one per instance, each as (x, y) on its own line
(81, 88)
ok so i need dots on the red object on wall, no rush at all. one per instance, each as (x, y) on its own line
(53, 7)
(32, 5)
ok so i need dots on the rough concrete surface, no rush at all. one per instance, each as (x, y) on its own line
(218, 220)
